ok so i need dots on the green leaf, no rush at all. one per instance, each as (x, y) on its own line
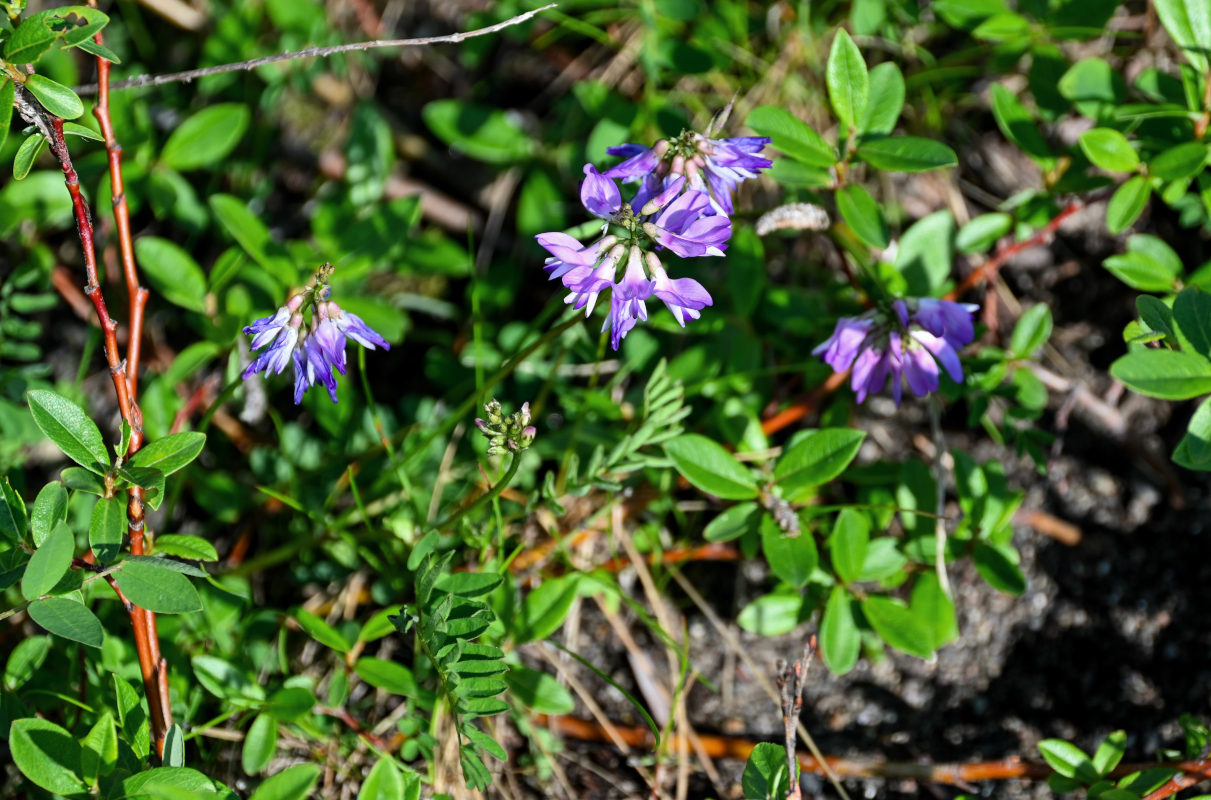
(76, 23)
(383, 783)
(539, 691)
(772, 614)
(999, 568)
(27, 154)
(543, 610)
(81, 480)
(46, 754)
(765, 775)
(847, 544)
(170, 783)
(194, 548)
(907, 154)
(65, 424)
(106, 527)
(483, 741)
(863, 215)
(260, 744)
(792, 136)
(24, 661)
(55, 97)
(31, 39)
(898, 625)
(68, 619)
(171, 452)
(791, 558)
(72, 129)
(1140, 272)
(1189, 24)
(839, 637)
(709, 467)
(1109, 149)
(1068, 760)
(292, 783)
(174, 746)
(1192, 320)
(156, 588)
(132, 716)
(1155, 315)
(1179, 163)
(926, 254)
(378, 625)
(886, 100)
(1018, 125)
(49, 562)
(206, 137)
(1093, 86)
(817, 458)
(469, 584)
(13, 520)
(983, 232)
(1032, 331)
(99, 749)
(252, 235)
(224, 681)
(172, 272)
(1167, 374)
(1127, 204)
(99, 50)
(848, 81)
(7, 96)
(291, 704)
(733, 523)
(931, 606)
(1194, 450)
(321, 631)
(387, 675)
(50, 508)
(1110, 752)
(482, 132)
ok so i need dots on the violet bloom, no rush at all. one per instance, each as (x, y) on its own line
(283, 336)
(684, 297)
(917, 338)
(567, 253)
(628, 302)
(682, 228)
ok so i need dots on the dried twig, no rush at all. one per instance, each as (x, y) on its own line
(790, 688)
(143, 81)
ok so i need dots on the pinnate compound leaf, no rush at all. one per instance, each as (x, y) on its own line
(1167, 374)
(55, 97)
(68, 619)
(815, 459)
(469, 584)
(709, 467)
(206, 137)
(66, 424)
(907, 154)
(898, 625)
(483, 741)
(292, 783)
(106, 528)
(839, 637)
(157, 588)
(848, 81)
(792, 136)
(46, 754)
(1068, 760)
(49, 562)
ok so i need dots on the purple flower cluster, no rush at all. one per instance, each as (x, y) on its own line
(315, 350)
(914, 341)
(674, 208)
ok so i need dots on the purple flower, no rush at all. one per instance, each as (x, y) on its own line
(568, 253)
(277, 356)
(599, 194)
(640, 161)
(352, 326)
(681, 227)
(628, 302)
(584, 284)
(684, 297)
(913, 341)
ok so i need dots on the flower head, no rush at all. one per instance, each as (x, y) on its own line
(913, 341)
(315, 350)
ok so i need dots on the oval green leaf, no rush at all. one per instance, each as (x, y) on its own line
(68, 619)
(708, 466)
(1127, 204)
(863, 215)
(847, 79)
(792, 136)
(206, 137)
(46, 754)
(1167, 374)
(172, 272)
(49, 562)
(907, 154)
(898, 625)
(55, 97)
(158, 589)
(66, 424)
